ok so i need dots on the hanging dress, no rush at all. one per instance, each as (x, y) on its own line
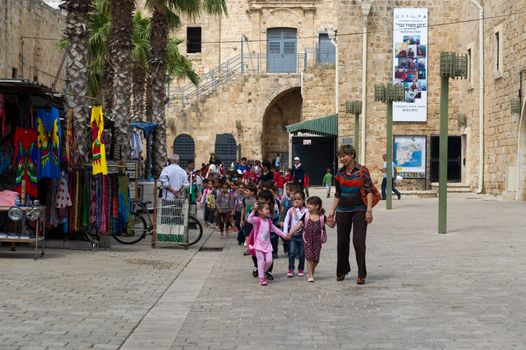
(98, 149)
(25, 157)
(48, 143)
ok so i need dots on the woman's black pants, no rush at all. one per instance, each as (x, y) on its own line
(345, 222)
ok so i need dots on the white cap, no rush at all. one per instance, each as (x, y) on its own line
(296, 158)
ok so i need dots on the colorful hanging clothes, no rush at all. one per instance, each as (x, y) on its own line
(98, 149)
(25, 158)
(48, 146)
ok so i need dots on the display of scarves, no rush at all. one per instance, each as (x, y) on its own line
(25, 160)
(48, 143)
(6, 157)
(98, 150)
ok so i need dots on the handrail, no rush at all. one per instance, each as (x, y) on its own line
(246, 63)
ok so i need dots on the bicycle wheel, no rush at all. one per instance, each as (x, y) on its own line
(195, 230)
(134, 232)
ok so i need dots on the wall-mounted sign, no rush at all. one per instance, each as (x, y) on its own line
(410, 63)
(307, 142)
(410, 156)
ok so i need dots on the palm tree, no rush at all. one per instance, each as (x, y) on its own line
(165, 16)
(77, 69)
(140, 53)
(120, 54)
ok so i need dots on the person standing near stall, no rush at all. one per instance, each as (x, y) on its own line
(173, 179)
(298, 172)
(350, 209)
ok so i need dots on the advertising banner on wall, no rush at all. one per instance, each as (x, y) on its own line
(410, 63)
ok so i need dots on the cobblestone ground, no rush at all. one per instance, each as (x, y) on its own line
(73, 299)
(463, 290)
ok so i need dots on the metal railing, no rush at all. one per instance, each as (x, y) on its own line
(248, 63)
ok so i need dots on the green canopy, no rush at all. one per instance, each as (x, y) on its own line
(325, 126)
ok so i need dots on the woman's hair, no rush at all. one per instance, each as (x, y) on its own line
(347, 150)
(301, 194)
(314, 200)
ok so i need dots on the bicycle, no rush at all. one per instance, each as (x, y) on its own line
(139, 227)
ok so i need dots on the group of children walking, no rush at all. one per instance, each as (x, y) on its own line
(260, 216)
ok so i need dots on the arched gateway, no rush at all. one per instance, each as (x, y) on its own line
(283, 110)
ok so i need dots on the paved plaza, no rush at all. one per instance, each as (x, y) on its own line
(462, 290)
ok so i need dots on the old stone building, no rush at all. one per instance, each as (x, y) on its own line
(30, 32)
(256, 92)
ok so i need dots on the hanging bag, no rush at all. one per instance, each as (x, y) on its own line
(376, 195)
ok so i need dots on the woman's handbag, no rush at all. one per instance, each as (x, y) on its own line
(376, 195)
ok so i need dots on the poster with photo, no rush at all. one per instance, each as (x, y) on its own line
(410, 63)
(410, 156)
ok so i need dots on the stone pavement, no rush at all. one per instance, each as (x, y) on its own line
(463, 290)
(73, 299)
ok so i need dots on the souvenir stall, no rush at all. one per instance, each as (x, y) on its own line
(43, 190)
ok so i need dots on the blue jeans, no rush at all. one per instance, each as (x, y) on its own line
(297, 247)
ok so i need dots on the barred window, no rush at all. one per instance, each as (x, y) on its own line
(193, 39)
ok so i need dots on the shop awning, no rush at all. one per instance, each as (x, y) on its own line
(325, 126)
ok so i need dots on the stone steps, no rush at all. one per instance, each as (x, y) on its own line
(453, 187)
(414, 194)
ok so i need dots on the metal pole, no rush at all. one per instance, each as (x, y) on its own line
(356, 133)
(389, 154)
(305, 61)
(442, 165)
(242, 58)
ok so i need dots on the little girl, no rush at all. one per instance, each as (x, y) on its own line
(263, 227)
(296, 244)
(314, 234)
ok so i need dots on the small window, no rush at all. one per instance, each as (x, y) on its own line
(193, 39)
(35, 77)
(14, 73)
(498, 58)
(469, 65)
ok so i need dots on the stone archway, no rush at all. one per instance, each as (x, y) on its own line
(521, 157)
(283, 110)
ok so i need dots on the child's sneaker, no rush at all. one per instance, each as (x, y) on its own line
(290, 273)
(269, 276)
(262, 282)
(300, 273)
(255, 272)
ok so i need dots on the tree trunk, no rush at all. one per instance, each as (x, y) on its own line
(138, 92)
(156, 101)
(120, 50)
(77, 73)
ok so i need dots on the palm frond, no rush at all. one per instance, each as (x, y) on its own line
(215, 7)
(179, 66)
(141, 38)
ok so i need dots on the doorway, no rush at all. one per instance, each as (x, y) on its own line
(281, 50)
(317, 154)
(454, 158)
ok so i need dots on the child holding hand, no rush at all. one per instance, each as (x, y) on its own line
(314, 233)
(263, 227)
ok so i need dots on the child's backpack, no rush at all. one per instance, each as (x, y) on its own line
(322, 222)
(251, 239)
(211, 200)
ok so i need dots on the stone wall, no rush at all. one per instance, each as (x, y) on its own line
(247, 99)
(380, 28)
(30, 31)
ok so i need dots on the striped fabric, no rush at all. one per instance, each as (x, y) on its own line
(348, 186)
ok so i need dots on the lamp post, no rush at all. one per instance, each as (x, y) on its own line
(388, 94)
(452, 65)
(355, 107)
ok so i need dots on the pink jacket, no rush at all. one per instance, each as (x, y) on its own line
(262, 238)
